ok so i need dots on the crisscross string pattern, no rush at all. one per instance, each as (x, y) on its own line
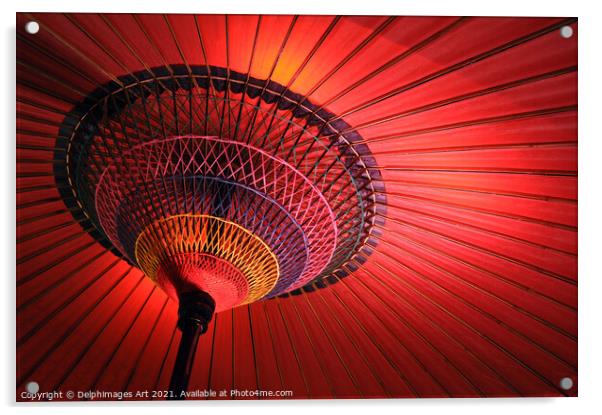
(191, 141)
(193, 245)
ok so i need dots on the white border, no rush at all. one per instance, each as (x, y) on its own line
(590, 198)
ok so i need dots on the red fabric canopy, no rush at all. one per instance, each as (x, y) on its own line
(472, 289)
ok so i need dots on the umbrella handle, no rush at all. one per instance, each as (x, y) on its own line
(195, 312)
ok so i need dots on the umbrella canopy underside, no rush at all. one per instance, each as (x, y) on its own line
(470, 289)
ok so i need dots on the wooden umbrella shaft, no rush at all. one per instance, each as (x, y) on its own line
(195, 312)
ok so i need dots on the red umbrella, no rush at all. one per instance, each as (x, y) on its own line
(376, 206)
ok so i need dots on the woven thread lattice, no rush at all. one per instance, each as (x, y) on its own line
(187, 272)
(236, 164)
(169, 238)
(200, 141)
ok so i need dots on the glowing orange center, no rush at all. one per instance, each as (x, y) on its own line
(186, 252)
